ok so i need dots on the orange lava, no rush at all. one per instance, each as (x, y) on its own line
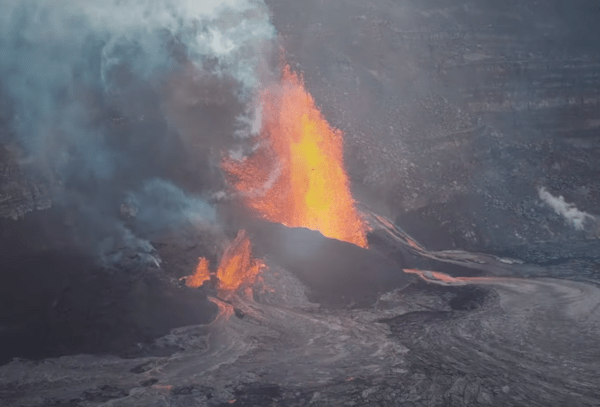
(296, 174)
(428, 275)
(237, 266)
(201, 275)
(437, 277)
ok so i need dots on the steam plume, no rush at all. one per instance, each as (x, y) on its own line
(571, 214)
(86, 84)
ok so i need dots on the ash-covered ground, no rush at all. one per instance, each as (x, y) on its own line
(471, 136)
(496, 339)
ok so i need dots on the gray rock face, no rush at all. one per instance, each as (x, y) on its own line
(455, 113)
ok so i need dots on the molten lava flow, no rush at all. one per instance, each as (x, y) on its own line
(237, 266)
(201, 275)
(296, 175)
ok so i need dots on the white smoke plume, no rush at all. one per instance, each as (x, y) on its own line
(73, 71)
(50, 49)
(572, 215)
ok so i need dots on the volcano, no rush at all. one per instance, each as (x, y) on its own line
(339, 203)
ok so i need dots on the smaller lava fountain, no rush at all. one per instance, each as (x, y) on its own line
(237, 267)
(296, 174)
(201, 275)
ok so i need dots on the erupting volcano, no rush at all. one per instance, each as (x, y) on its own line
(475, 132)
(296, 175)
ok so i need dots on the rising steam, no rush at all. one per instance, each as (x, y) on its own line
(90, 89)
(572, 215)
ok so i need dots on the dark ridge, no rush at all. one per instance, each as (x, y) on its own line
(58, 301)
(337, 274)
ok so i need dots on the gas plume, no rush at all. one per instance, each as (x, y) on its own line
(94, 90)
(569, 211)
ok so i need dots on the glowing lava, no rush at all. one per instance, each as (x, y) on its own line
(296, 174)
(201, 275)
(237, 267)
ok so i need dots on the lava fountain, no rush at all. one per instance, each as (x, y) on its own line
(201, 275)
(296, 176)
(237, 268)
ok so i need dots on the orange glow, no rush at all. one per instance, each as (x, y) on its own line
(202, 274)
(238, 267)
(296, 175)
(439, 278)
(427, 275)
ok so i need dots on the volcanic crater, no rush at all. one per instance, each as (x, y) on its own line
(299, 203)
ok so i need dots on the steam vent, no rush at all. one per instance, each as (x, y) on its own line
(299, 203)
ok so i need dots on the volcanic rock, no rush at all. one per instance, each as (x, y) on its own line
(336, 273)
(495, 341)
(58, 300)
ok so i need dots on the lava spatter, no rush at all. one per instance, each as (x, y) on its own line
(201, 275)
(237, 268)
